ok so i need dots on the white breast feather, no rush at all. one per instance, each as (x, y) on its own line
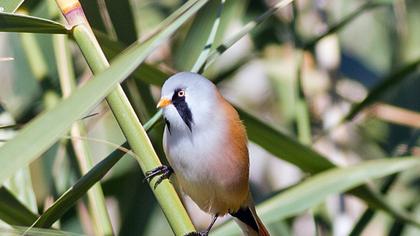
(194, 156)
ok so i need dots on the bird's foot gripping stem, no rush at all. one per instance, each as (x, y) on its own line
(164, 171)
(201, 233)
(206, 232)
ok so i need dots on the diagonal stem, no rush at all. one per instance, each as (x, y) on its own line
(125, 115)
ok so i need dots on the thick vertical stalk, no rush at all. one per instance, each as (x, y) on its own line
(96, 200)
(36, 62)
(302, 113)
(126, 118)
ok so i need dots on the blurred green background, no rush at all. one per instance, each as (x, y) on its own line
(280, 72)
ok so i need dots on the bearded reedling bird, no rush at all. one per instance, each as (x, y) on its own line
(206, 146)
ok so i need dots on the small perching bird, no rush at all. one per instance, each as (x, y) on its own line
(206, 146)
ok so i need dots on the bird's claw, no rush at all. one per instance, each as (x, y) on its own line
(164, 172)
(201, 233)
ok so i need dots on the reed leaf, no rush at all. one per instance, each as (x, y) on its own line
(16, 230)
(79, 189)
(48, 127)
(198, 42)
(29, 24)
(383, 87)
(10, 5)
(12, 211)
(315, 189)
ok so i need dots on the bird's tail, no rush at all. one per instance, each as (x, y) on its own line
(261, 227)
(249, 221)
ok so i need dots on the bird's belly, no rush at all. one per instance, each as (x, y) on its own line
(207, 176)
(209, 192)
(209, 196)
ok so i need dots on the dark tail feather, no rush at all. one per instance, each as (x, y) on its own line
(262, 229)
(249, 222)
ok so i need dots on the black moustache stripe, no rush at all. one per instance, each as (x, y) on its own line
(183, 109)
(185, 112)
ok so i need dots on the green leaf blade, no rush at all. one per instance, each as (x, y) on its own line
(10, 5)
(12, 211)
(315, 189)
(48, 127)
(29, 24)
(201, 32)
(283, 146)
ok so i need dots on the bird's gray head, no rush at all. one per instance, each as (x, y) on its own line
(188, 100)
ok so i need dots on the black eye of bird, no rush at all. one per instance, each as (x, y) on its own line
(181, 93)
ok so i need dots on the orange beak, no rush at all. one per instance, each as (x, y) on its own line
(163, 103)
